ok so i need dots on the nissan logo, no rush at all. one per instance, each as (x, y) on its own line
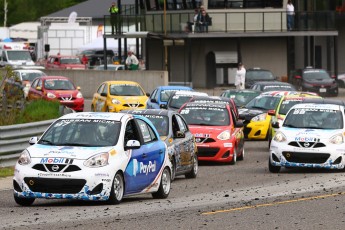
(306, 144)
(55, 168)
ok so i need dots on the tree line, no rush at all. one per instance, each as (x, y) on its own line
(31, 10)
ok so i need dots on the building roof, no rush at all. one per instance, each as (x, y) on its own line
(90, 8)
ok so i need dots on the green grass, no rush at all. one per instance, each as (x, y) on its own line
(6, 171)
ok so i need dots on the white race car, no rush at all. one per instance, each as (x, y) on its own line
(94, 156)
(311, 136)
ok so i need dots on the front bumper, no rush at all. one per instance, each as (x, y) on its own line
(324, 157)
(218, 151)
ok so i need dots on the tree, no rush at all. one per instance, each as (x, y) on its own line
(31, 10)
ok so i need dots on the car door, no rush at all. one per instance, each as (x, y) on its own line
(152, 104)
(100, 101)
(35, 91)
(238, 132)
(145, 162)
(185, 145)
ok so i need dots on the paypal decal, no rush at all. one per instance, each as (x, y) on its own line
(141, 167)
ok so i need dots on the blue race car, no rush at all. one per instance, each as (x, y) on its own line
(161, 94)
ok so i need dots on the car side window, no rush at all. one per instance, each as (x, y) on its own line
(181, 123)
(131, 132)
(39, 83)
(100, 89)
(105, 89)
(153, 95)
(147, 132)
(233, 118)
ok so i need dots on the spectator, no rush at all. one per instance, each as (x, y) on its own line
(84, 60)
(203, 21)
(191, 23)
(114, 20)
(132, 62)
(240, 76)
(290, 12)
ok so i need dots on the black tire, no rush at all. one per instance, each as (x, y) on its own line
(272, 168)
(241, 158)
(24, 201)
(164, 186)
(194, 171)
(117, 189)
(173, 168)
(234, 158)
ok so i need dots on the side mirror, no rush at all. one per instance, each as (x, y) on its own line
(275, 124)
(239, 124)
(39, 88)
(242, 116)
(132, 144)
(148, 94)
(103, 94)
(271, 112)
(180, 134)
(153, 100)
(33, 140)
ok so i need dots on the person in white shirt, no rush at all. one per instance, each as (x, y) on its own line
(132, 61)
(290, 12)
(240, 76)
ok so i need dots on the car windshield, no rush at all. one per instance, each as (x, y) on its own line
(243, 98)
(75, 60)
(165, 94)
(31, 76)
(160, 122)
(58, 84)
(82, 132)
(314, 118)
(126, 90)
(264, 102)
(286, 105)
(316, 75)
(208, 116)
(19, 55)
(177, 101)
(259, 75)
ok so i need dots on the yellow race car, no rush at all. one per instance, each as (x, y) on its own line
(114, 96)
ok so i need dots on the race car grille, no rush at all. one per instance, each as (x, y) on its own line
(204, 140)
(312, 158)
(307, 144)
(133, 105)
(207, 152)
(56, 168)
(47, 185)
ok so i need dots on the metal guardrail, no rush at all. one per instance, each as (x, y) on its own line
(15, 138)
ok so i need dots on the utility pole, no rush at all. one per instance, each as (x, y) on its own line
(5, 13)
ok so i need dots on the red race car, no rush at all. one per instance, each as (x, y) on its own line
(218, 134)
(57, 88)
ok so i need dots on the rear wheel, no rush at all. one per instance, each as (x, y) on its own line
(272, 168)
(117, 189)
(164, 187)
(240, 158)
(24, 201)
(194, 171)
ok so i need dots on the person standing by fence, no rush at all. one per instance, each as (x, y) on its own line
(132, 61)
(240, 77)
(290, 13)
(114, 18)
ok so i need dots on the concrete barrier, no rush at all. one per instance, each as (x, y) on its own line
(89, 80)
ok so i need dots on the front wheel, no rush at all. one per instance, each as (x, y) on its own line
(24, 201)
(194, 171)
(272, 168)
(164, 187)
(117, 189)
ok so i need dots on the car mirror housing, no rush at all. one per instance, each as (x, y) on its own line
(180, 134)
(33, 140)
(239, 124)
(153, 100)
(275, 124)
(132, 144)
(103, 94)
(271, 112)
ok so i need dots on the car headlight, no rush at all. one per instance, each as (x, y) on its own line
(260, 117)
(24, 158)
(99, 160)
(279, 137)
(225, 135)
(51, 95)
(337, 139)
(79, 95)
(115, 101)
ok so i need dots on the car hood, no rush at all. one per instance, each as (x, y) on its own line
(250, 113)
(200, 130)
(48, 151)
(307, 135)
(64, 93)
(320, 81)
